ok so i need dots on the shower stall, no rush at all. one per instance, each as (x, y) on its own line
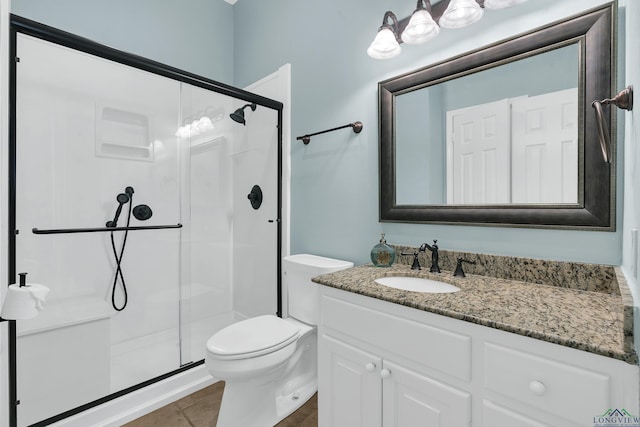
(133, 198)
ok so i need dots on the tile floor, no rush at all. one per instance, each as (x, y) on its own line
(200, 409)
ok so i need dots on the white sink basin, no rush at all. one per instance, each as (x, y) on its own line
(417, 284)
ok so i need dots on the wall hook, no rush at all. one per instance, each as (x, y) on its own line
(624, 100)
(306, 139)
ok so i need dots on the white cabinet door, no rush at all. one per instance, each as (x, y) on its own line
(412, 400)
(349, 386)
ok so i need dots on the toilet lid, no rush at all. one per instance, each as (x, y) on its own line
(252, 337)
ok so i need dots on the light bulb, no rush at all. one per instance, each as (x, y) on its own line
(421, 28)
(461, 13)
(385, 45)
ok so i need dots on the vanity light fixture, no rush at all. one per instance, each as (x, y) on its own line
(425, 22)
(387, 43)
(421, 27)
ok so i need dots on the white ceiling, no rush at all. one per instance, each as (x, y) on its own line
(231, 1)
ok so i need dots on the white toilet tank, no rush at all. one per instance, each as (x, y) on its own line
(302, 293)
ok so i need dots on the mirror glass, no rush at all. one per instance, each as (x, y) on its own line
(505, 135)
(502, 135)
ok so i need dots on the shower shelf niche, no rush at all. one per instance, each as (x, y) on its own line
(102, 229)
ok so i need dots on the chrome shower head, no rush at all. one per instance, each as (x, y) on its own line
(238, 115)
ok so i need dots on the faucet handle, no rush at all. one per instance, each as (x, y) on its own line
(459, 271)
(416, 263)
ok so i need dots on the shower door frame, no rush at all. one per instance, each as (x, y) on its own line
(20, 25)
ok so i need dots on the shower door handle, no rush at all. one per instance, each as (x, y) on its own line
(275, 220)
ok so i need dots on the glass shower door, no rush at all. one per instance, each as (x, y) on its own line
(207, 212)
(132, 207)
(91, 133)
(229, 248)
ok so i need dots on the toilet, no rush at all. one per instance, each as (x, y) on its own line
(268, 363)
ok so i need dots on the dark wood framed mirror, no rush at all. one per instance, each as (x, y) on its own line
(426, 177)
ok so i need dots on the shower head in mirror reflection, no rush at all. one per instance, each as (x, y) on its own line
(425, 22)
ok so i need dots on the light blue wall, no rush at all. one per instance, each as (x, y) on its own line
(193, 35)
(630, 14)
(334, 200)
(335, 178)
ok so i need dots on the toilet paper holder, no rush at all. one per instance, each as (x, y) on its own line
(23, 301)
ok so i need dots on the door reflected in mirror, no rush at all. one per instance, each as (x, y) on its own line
(502, 135)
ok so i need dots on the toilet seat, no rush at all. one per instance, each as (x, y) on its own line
(252, 337)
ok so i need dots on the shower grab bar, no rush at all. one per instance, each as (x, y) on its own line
(306, 139)
(103, 229)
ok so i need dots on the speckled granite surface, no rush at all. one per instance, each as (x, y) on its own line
(574, 275)
(600, 322)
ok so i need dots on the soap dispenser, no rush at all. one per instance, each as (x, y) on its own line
(383, 255)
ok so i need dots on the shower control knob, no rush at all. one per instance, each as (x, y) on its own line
(255, 197)
(385, 373)
(370, 367)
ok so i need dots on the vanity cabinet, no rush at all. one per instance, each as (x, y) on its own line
(384, 364)
(369, 391)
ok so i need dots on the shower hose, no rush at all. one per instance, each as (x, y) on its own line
(118, 258)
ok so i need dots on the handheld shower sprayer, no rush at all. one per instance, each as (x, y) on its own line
(122, 199)
(141, 213)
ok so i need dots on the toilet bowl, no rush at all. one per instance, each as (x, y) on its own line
(269, 364)
(252, 347)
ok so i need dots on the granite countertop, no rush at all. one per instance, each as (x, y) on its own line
(597, 322)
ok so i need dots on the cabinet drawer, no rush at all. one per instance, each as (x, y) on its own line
(443, 350)
(496, 416)
(566, 391)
